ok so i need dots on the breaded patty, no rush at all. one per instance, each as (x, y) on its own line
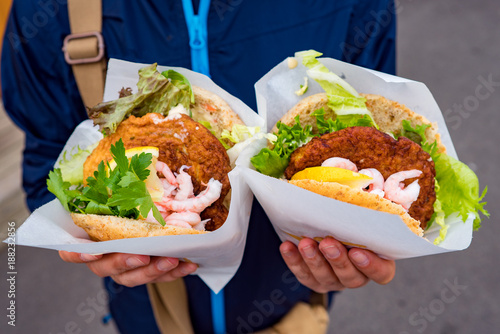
(370, 148)
(181, 141)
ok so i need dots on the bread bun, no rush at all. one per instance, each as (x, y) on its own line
(104, 228)
(359, 197)
(211, 108)
(386, 113)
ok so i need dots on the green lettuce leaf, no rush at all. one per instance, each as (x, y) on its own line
(303, 88)
(270, 163)
(342, 97)
(457, 186)
(340, 122)
(71, 164)
(459, 189)
(439, 216)
(288, 139)
(416, 134)
(179, 81)
(156, 93)
(239, 133)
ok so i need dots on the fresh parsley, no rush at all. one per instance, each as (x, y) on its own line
(120, 192)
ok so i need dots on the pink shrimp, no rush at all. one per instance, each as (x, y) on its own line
(196, 204)
(396, 192)
(185, 188)
(192, 218)
(167, 173)
(377, 185)
(178, 223)
(340, 163)
(168, 189)
(164, 213)
(201, 225)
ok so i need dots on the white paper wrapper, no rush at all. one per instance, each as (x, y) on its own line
(297, 213)
(218, 253)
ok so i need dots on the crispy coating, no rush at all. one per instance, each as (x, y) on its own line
(370, 148)
(217, 213)
(181, 141)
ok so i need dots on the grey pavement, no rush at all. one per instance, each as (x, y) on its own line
(453, 46)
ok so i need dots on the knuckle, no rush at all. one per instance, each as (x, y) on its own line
(303, 276)
(123, 281)
(315, 263)
(340, 264)
(357, 282)
(330, 282)
(95, 270)
(177, 273)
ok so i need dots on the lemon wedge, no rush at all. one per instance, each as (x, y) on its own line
(334, 174)
(153, 183)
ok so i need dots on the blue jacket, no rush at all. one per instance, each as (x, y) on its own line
(245, 40)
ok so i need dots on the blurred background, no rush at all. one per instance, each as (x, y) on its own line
(453, 46)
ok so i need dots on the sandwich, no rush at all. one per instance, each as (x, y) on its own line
(160, 169)
(370, 151)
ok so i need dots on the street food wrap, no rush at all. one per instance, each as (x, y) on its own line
(217, 253)
(296, 213)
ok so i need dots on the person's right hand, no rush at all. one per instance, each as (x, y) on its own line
(131, 270)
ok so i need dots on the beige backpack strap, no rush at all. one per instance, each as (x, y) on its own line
(170, 307)
(84, 49)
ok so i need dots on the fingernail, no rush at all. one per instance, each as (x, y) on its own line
(134, 262)
(188, 269)
(331, 252)
(309, 251)
(165, 265)
(286, 251)
(89, 257)
(360, 259)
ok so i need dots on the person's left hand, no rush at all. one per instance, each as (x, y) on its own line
(329, 266)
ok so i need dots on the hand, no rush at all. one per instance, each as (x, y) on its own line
(329, 266)
(132, 270)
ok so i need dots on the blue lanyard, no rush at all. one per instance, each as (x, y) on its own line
(197, 29)
(218, 312)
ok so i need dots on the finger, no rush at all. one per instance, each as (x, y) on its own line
(336, 255)
(318, 266)
(117, 263)
(297, 266)
(375, 268)
(170, 268)
(78, 257)
(183, 269)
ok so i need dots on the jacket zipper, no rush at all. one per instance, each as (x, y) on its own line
(197, 29)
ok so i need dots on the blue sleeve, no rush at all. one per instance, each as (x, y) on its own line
(371, 38)
(39, 91)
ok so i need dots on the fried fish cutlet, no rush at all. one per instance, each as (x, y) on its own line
(181, 142)
(370, 148)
